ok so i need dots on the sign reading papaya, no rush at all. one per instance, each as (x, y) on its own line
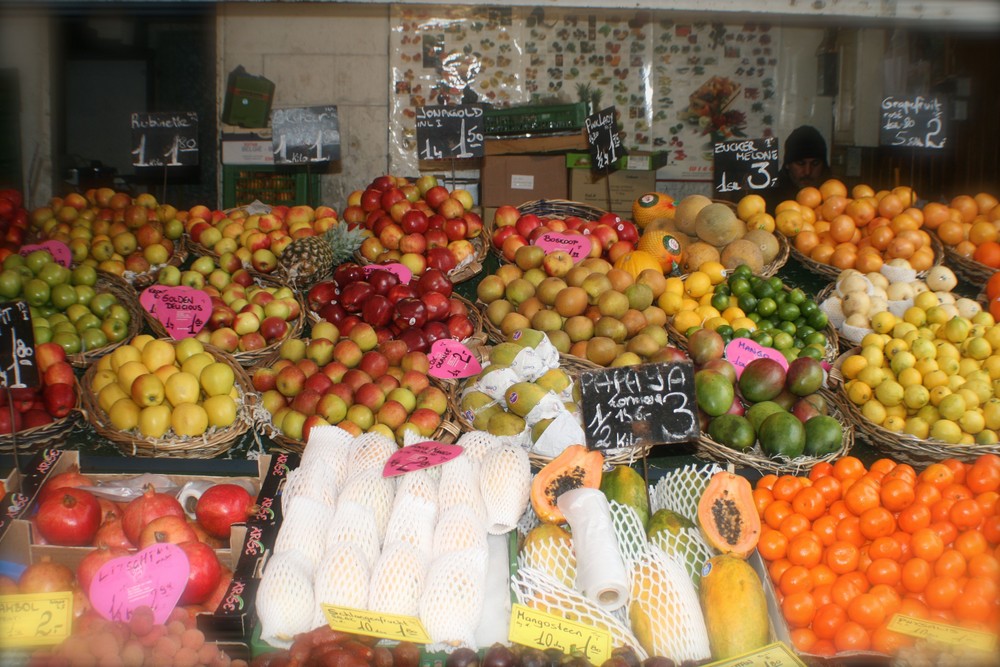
(376, 624)
(530, 627)
(37, 619)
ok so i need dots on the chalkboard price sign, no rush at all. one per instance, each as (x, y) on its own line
(603, 140)
(450, 132)
(303, 135)
(746, 165)
(164, 139)
(639, 405)
(17, 347)
(917, 122)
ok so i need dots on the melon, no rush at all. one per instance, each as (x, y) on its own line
(766, 241)
(718, 225)
(697, 254)
(687, 211)
(742, 251)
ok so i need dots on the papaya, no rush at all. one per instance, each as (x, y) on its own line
(674, 534)
(576, 466)
(735, 609)
(628, 487)
(549, 548)
(728, 516)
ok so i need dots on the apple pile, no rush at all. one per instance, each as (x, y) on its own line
(53, 399)
(418, 313)
(65, 306)
(257, 240)
(421, 224)
(245, 316)
(13, 221)
(158, 388)
(111, 230)
(610, 236)
(356, 383)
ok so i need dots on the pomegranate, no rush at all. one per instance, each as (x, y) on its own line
(72, 478)
(45, 577)
(92, 562)
(215, 598)
(110, 511)
(203, 535)
(70, 518)
(204, 575)
(150, 505)
(7, 585)
(169, 528)
(221, 506)
(110, 534)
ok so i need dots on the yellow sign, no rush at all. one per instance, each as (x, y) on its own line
(530, 627)
(376, 624)
(37, 619)
(773, 655)
(948, 634)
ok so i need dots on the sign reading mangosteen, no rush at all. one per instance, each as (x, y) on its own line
(183, 311)
(401, 271)
(60, 251)
(303, 135)
(165, 139)
(916, 122)
(577, 246)
(154, 577)
(419, 456)
(376, 624)
(450, 132)
(604, 140)
(17, 347)
(646, 404)
(741, 351)
(36, 619)
(531, 627)
(745, 165)
(451, 360)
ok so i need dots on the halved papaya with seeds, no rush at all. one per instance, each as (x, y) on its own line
(575, 467)
(728, 516)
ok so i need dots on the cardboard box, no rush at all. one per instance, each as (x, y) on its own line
(589, 187)
(576, 141)
(515, 179)
(634, 161)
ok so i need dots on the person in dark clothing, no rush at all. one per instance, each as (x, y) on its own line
(805, 165)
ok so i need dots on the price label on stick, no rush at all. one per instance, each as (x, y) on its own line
(603, 140)
(745, 165)
(942, 632)
(741, 351)
(183, 311)
(530, 627)
(165, 139)
(576, 245)
(450, 132)
(419, 456)
(375, 624)
(451, 360)
(155, 577)
(38, 619)
(305, 135)
(401, 271)
(637, 405)
(915, 122)
(17, 347)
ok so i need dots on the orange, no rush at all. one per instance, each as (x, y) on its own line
(862, 190)
(903, 222)
(989, 254)
(832, 187)
(890, 206)
(966, 206)
(900, 248)
(935, 213)
(915, 213)
(881, 236)
(822, 253)
(798, 609)
(842, 228)
(922, 258)
(861, 211)
(986, 202)
(982, 231)
(965, 248)
(809, 197)
(852, 636)
(805, 241)
(869, 261)
(843, 258)
(833, 206)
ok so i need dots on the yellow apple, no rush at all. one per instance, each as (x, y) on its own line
(110, 395)
(217, 379)
(188, 347)
(164, 372)
(194, 364)
(104, 363)
(140, 341)
(123, 355)
(147, 390)
(189, 419)
(124, 414)
(154, 421)
(221, 410)
(102, 379)
(129, 372)
(157, 353)
(182, 387)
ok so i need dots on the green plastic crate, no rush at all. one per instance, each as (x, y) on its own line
(289, 186)
(535, 119)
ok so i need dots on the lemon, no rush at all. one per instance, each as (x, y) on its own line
(707, 312)
(894, 346)
(897, 411)
(874, 412)
(894, 424)
(686, 319)
(744, 323)
(983, 317)
(872, 376)
(706, 299)
(986, 437)
(970, 397)
(936, 378)
(852, 366)
(937, 315)
(874, 356)
(788, 222)
(972, 421)
(916, 396)
(917, 427)
(902, 328)
(674, 285)
(949, 366)
(925, 366)
(993, 336)
(715, 270)
(952, 406)
(915, 316)
(749, 206)
(858, 392)
(967, 439)
(945, 350)
(946, 430)
(714, 323)
(967, 366)
(689, 304)
(957, 329)
(991, 413)
(733, 313)
(923, 348)
(883, 322)
(909, 376)
(926, 300)
(911, 336)
(697, 284)
(929, 413)
(978, 348)
(978, 376)
(902, 360)
(890, 393)
(873, 339)
(670, 303)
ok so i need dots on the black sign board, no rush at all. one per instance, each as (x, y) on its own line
(303, 135)
(17, 346)
(450, 132)
(165, 139)
(646, 404)
(915, 122)
(745, 165)
(603, 140)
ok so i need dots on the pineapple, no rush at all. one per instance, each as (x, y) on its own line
(309, 260)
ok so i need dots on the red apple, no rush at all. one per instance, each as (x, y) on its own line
(455, 229)
(436, 195)
(441, 258)
(414, 221)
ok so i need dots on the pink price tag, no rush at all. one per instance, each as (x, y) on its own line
(577, 245)
(155, 577)
(59, 251)
(419, 456)
(400, 271)
(741, 351)
(450, 360)
(183, 311)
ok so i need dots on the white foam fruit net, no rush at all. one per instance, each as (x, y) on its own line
(452, 601)
(551, 557)
(371, 490)
(665, 611)
(505, 484)
(459, 485)
(397, 580)
(538, 591)
(285, 601)
(368, 453)
(459, 529)
(303, 528)
(687, 546)
(341, 580)
(477, 444)
(355, 524)
(312, 482)
(680, 490)
(628, 530)
(419, 484)
(412, 521)
(328, 449)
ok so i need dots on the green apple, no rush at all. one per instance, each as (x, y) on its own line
(63, 296)
(91, 339)
(43, 334)
(88, 321)
(10, 283)
(115, 329)
(54, 274)
(37, 259)
(36, 292)
(217, 379)
(68, 341)
(84, 294)
(13, 261)
(119, 312)
(169, 275)
(84, 275)
(101, 304)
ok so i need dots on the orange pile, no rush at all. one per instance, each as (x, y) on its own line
(847, 548)
(970, 225)
(861, 231)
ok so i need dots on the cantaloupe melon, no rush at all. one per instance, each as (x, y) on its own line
(742, 251)
(766, 241)
(687, 210)
(718, 225)
(696, 254)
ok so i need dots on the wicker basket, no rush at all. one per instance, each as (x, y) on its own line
(143, 280)
(772, 267)
(900, 446)
(127, 297)
(33, 439)
(251, 358)
(832, 272)
(461, 274)
(207, 446)
(967, 268)
(843, 342)
(545, 208)
(707, 448)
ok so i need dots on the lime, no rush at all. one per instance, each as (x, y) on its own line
(766, 306)
(763, 289)
(747, 302)
(797, 296)
(776, 283)
(811, 352)
(783, 341)
(754, 317)
(742, 271)
(788, 312)
(762, 338)
(741, 333)
(691, 330)
(815, 338)
(818, 320)
(725, 330)
(739, 286)
(787, 327)
(720, 301)
(803, 330)
(808, 307)
(723, 289)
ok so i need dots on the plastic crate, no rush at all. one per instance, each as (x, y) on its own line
(270, 185)
(535, 119)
